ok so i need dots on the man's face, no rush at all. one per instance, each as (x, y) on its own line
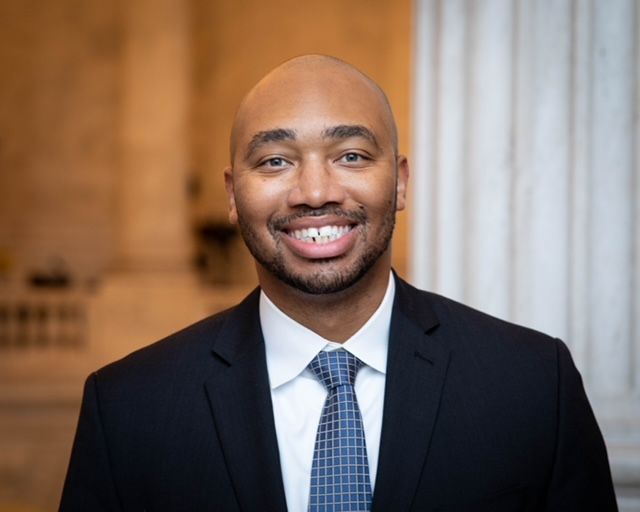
(315, 182)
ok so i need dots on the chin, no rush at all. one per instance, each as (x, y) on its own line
(324, 281)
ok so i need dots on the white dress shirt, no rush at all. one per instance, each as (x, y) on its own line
(298, 397)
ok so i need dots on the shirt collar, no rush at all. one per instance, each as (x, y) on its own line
(290, 346)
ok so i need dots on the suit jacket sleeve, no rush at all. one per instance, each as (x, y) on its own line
(89, 484)
(581, 478)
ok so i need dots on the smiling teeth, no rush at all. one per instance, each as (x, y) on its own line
(322, 235)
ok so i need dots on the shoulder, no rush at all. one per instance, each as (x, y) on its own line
(180, 356)
(465, 329)
(490, 357)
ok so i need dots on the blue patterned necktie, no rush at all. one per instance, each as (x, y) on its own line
(340, 471)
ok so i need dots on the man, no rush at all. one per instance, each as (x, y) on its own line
(440, 407)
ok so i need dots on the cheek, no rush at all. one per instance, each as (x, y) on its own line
(257, 198)
(378, 194)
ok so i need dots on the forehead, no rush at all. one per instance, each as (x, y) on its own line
(309, 105)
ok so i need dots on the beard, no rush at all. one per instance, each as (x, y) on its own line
(327, 278)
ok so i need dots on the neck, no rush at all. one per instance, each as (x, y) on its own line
(334, 316)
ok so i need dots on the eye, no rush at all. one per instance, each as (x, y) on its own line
(352, 158)
(275, 162)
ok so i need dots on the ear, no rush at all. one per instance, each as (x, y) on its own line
(231, 197)
(402, 166)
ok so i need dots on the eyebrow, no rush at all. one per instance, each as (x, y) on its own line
(346, 131)
(275, 135)
(341, 131)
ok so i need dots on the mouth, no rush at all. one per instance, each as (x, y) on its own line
(320, 235)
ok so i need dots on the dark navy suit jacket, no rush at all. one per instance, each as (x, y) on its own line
(479, 415)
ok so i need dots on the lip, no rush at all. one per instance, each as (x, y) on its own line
(313, 251)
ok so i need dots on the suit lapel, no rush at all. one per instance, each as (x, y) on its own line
(240, 400)
(416, 370)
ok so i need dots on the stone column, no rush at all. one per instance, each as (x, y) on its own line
(151, 202)
(527, 182)
(151, 290)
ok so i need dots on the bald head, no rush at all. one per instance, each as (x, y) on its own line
(304, 86)
(313, 147)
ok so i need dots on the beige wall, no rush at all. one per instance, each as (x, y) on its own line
(58, 99)
(68, 138)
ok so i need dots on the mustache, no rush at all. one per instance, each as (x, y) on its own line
(277, 223)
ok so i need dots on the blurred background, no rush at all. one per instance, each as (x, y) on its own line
(520, 119)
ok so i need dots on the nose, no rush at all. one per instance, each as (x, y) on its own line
(316, 184)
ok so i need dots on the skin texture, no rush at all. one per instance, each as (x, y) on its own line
(314, 144)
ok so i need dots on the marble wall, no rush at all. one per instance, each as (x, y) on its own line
(527, 183)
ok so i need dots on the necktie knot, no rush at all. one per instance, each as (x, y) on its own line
(335, 368)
